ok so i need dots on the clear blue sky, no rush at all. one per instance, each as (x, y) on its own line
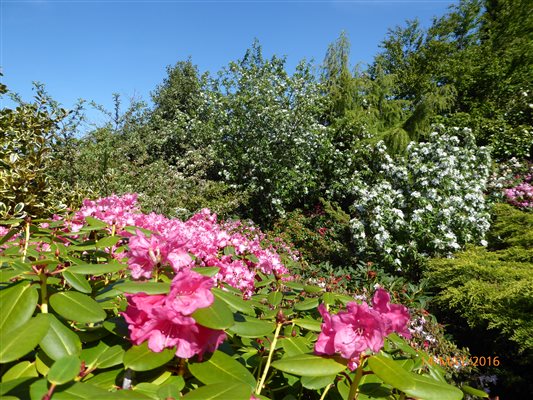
(91, 49)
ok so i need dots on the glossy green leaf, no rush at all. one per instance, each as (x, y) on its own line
(95, 223)
(274, 298)
(18, 304)
(96, 269)
(294, 285)
(253, 328)
(105, 380)
(20, 341)
(77, 281)
(309, 365)
(474, 392)
(14, 385)
(60, 341)
(234, 301)
(313, 289)
(317, 382)
(221, 368)
(307, 304)
(295, 345)
(414, 385)
(144, 287)
(206, 271)
(216, 316)
(108, 241)
(111, 357)
(24, 369)
(221, 391)
(78, 307)
(141, 358)
(64, 370)
(169, 391)
(81, 391)
(308, 323)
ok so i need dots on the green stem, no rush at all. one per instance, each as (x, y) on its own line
(355, 383)
(269, 359)
(44, 293)
(26, 240)
(326, 390)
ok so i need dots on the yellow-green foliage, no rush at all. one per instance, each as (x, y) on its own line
(493, 288)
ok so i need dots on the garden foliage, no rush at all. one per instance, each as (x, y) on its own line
(95, 307)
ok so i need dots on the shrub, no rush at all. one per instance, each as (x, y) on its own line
(491, 290)
(431, 203)
(94, 307)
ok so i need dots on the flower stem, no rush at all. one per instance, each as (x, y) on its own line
(326, 390)
(26, 240)
(44, 293)
(269, 359)
(355, 384)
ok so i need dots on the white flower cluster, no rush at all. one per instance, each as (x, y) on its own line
(430, 203)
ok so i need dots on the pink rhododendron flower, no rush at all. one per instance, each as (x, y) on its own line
(145, 253)
(190, 291)
(396, 316)
(164, 321)
(361, 328)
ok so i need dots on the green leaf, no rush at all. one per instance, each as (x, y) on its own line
(95, 223)
(108, 241)
(78, 307)
(206, 271)
(474, 392)
(253, 328)
(14, 385)
(309, 365)
(82, 391)
(9, 235)
(20, 341)
(309, 324)
(274, 298)
(77, 281)
(96, 269)
(313, 289)
(234, 301)
(329, 298)
(64, 370)
(414, 385)
(18, 304)
(60, 341)
(317, 382)
(307, 304)
(144, 287)
(294, 346)
(221, 391)
(141, 358)
(24, 369)
(294, 285)
(111, 357)
(169, 391)
(216, 316)
(221, 368)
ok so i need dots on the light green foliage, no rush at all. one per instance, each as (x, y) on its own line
(492, 291)
(29, 134)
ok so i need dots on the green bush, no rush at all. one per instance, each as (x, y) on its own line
(492, 291)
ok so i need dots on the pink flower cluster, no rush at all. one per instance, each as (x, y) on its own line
(361, 327)
(165, 321)
(520, 195)
(197, 242)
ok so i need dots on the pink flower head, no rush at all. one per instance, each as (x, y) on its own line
(164, 321)
(144, 254)
(395, 315)
(350, 332)
(360, 328)
(190, 291)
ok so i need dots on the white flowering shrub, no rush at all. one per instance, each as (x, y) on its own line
(430, 203)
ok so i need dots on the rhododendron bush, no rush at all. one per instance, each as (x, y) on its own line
(110, 302)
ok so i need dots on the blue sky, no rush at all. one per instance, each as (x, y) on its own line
(91, 49)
